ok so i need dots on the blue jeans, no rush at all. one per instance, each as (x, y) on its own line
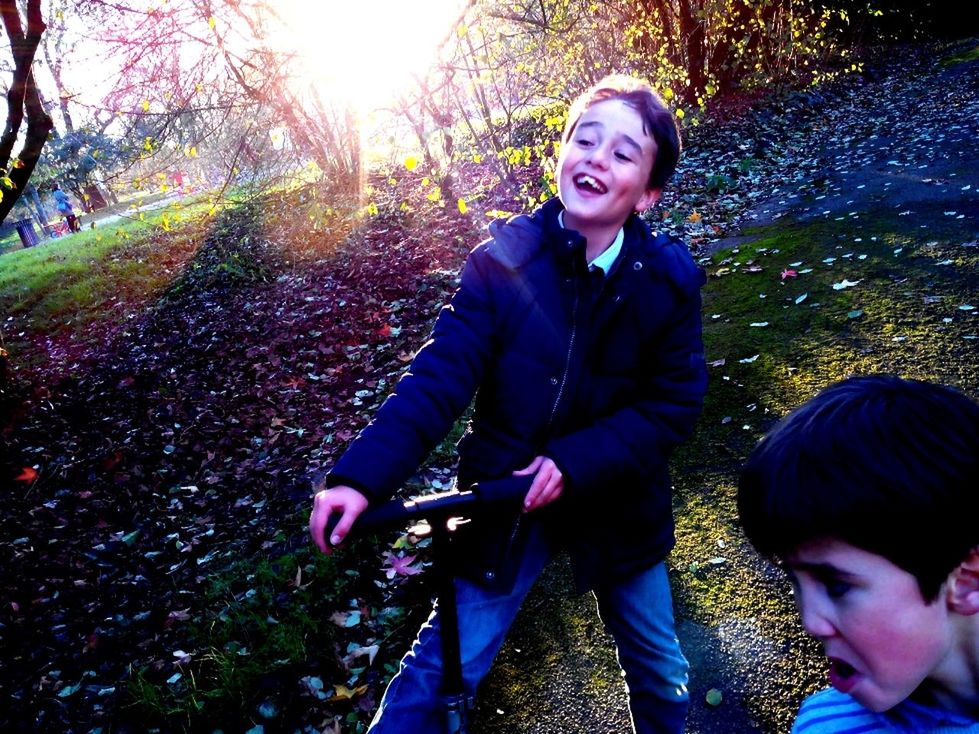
(638, 611)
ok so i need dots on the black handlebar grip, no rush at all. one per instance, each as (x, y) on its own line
(395, 514)
(387, 516)
(503, 491)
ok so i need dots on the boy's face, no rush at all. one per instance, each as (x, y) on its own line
(882, 639)
(603, 170)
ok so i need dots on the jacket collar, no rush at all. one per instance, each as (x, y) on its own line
(521, 238)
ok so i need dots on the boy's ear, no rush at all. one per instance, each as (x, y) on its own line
(650, 197)
(962, 592)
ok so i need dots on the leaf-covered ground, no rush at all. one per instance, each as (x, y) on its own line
(155, 567)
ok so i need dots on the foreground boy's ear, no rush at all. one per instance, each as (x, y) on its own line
(650, 197)
(963, 585)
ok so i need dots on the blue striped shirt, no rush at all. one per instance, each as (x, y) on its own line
(832, 712)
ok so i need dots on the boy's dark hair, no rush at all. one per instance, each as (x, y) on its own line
(658, 122)
(885, 464)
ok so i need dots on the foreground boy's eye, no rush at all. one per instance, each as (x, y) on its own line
(622, 156)
(835, 588)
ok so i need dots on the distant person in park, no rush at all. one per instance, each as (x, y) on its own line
(579, 332)
(868, 496)
(63, 204)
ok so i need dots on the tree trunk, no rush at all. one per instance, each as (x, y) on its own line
(692, 33)
(22, 99)
(724, 65)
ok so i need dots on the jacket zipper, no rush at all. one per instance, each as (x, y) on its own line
(567, 361)
(557, 401)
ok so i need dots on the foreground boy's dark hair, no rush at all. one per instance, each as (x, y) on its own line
(658, 122)
(885, 464)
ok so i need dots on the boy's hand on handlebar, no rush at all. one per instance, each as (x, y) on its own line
(346, 501)
(547, 486)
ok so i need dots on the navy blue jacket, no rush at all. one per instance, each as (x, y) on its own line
(604, 375)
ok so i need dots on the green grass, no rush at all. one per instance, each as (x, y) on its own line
(968, 55)
(73, 280)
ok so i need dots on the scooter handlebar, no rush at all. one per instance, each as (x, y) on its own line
(395, 514)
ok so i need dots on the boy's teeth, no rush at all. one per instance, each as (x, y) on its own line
(591, 183)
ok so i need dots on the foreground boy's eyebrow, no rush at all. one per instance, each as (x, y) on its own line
(819, 570)
(628, 139)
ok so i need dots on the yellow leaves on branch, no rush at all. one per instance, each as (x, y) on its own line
(462, 206)
(411, 163)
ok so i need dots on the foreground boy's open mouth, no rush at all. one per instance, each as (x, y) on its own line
(842, 675)
(589, 184)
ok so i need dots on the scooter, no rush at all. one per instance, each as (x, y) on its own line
(441, 513)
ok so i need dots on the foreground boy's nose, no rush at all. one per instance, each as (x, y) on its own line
(814, 620)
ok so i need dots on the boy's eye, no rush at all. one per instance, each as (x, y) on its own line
(622, 156)
(835, 588)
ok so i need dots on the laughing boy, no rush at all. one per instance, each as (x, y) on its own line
(579, 333)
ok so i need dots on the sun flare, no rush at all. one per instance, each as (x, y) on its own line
(362, 53)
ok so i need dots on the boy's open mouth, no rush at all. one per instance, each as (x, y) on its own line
(589, 183)
(842, 675)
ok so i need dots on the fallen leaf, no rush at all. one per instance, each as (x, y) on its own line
(345, 619)
(342, 693)
(370, 651)
(27, 475)
(396, 565)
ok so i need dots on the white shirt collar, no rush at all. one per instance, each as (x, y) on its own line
(611, 253)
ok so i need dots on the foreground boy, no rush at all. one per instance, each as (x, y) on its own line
(581, 331)
(868, 495)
